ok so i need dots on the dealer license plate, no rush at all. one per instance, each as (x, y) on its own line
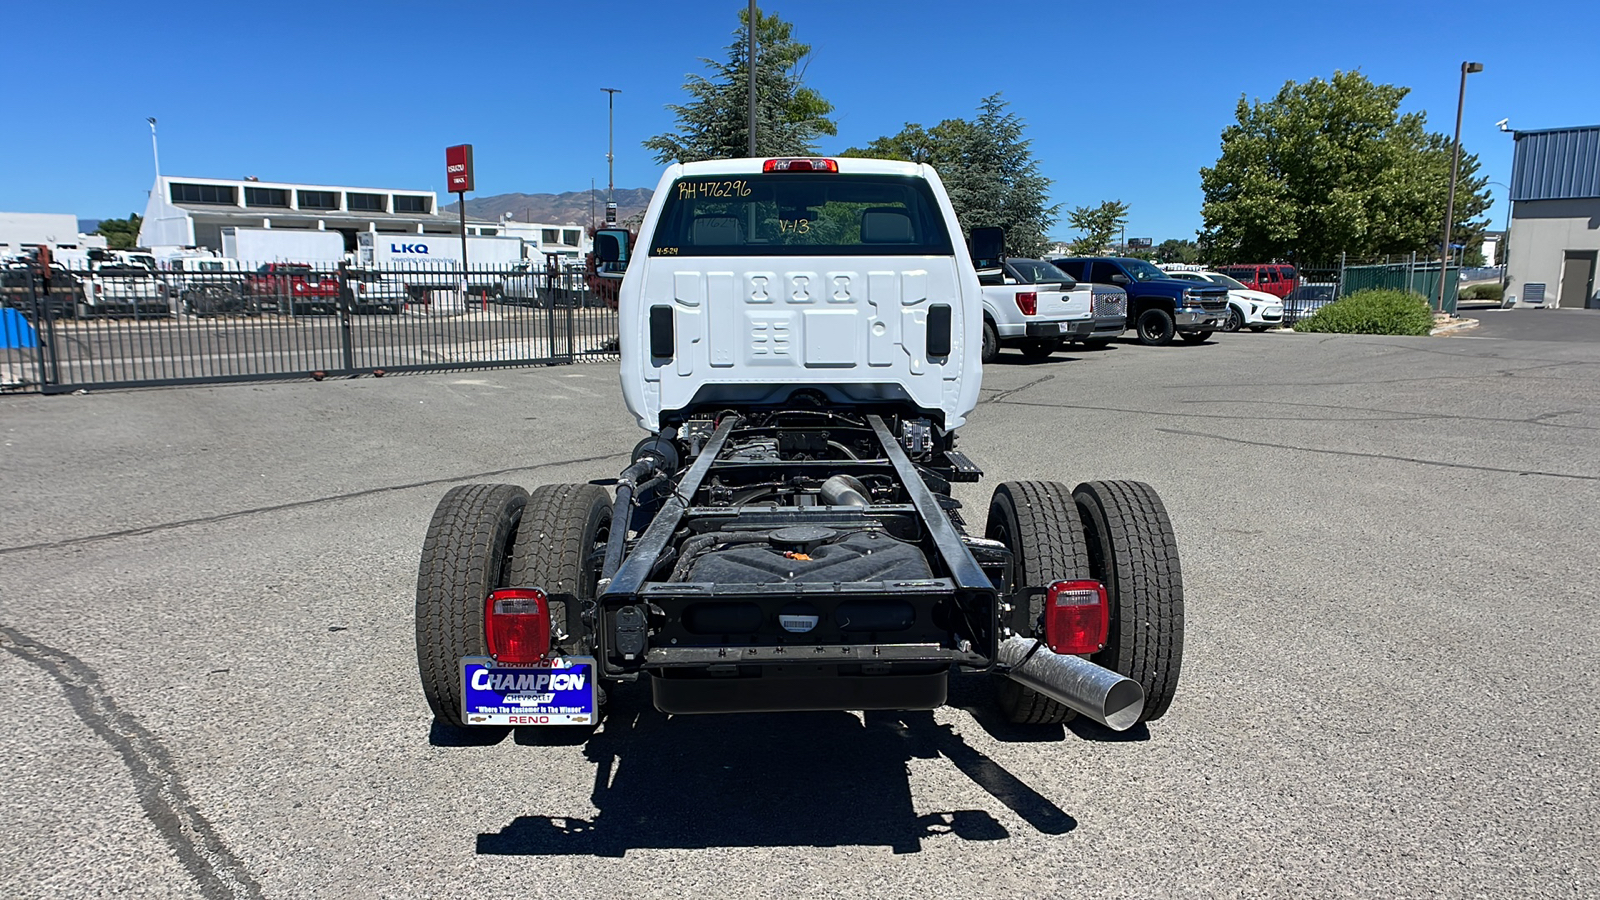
(554, 692)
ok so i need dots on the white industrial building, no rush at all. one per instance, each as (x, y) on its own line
(191, 213)
(20, 233)
(570, 242)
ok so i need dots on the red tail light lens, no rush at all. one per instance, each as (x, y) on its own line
(1028, 302)
(788, 164)
(1076, 617)
(516, 625)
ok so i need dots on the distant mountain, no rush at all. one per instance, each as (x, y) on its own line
(87, 226)
(571, 208)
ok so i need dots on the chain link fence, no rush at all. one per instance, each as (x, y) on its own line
(1322, 283)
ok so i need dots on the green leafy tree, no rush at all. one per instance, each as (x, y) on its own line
(121, 234)
(715, 123)
(1096, 226)
(987, 167)
(1330, 167)
(1175, 250)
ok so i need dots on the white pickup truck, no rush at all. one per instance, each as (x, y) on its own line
(1033, 306)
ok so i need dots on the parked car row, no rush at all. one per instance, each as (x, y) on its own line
(1247, 308)
(1039, 306)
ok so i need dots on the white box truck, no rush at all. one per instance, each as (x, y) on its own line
(428, 262)
(268, 245)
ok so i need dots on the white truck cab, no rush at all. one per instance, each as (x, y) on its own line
(756, 278)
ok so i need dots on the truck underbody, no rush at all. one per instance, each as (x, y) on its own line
(807, 559)
(801, 557)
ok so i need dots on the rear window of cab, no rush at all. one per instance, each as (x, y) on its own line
(800, 214)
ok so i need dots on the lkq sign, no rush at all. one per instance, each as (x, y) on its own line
(458, 168)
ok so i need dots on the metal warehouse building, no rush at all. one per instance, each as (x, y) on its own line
(1555, 217)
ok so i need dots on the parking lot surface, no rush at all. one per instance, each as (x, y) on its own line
(1388, 687)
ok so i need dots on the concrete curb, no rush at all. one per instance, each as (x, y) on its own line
(1447, 327)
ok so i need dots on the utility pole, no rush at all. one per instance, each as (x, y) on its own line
(1467, 68)
(611, 176)
(155, 150)
(750, 70)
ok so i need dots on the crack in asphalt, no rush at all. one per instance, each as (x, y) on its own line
(297, 504)
(1362, 455)
(216, 870)
(1001, 395)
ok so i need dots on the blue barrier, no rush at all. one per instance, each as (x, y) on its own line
(16, 333)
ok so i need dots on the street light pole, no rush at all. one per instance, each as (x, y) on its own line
(1467, 68)
(155, 150)
(611, 169)
(750, 70)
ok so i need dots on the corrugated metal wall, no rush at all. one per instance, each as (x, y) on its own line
(1557, 165)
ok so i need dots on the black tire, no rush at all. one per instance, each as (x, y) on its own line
(1133, 552)
(464, 558)
(1235, 319)
(1038, 521)
(1155, 328)
(1195, 337)
(991, 342)
(563, 527)
(1040, 348)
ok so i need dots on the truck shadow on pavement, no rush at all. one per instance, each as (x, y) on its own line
(796, 779)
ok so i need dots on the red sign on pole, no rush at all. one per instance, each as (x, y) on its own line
(458, 167)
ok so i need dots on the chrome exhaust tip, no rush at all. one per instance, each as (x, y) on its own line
(1094, 691)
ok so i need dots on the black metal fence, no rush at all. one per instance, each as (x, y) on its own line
(204, 321)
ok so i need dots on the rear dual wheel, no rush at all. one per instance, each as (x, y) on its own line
(487, 536)
(1134, 553)
(1118, 533)
(1039, 522)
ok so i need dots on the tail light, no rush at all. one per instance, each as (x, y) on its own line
(516, 625)
(1028, 302)
(1076, 617)
(789, 164)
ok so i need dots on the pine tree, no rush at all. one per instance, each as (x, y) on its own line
(714, 124)
(987, 168)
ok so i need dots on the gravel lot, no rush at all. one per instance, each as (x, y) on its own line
(1389, 554)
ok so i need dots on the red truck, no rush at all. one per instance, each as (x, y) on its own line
(293, 289)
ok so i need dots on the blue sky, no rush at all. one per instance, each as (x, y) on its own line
(1123, 101)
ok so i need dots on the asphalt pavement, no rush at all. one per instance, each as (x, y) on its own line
(1529, 324)
(1388, 686)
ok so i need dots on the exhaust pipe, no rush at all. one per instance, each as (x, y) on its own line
(1094, 691)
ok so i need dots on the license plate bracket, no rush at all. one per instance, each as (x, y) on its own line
(559, 691)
